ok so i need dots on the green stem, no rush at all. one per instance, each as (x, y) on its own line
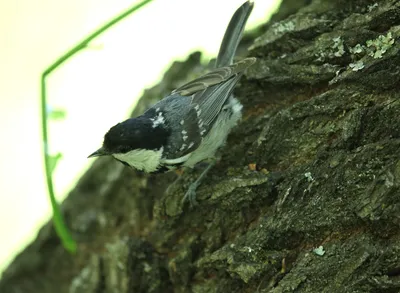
(59, 224)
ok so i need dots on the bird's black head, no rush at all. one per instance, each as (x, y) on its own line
(134, 133)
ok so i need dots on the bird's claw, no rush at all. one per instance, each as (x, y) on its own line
(190, 195)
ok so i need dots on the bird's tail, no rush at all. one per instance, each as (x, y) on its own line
(233, 34)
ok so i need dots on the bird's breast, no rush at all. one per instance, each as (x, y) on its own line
(141, 159)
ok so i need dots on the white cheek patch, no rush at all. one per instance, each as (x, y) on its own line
(143, 160)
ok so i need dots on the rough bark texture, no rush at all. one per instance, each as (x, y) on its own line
(322, 115)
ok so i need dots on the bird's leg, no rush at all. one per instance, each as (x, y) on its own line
(176, 181)
(191, 193)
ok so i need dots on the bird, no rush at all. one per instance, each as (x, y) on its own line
(190, 124)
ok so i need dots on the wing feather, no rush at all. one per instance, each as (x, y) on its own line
(210, 91)
(214, 77)
(204, 98)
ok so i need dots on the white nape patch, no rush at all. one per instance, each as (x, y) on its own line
(182, 122)
(143, 160)
(184, 132)
(158, 120)
(185, 137)
(190, 145)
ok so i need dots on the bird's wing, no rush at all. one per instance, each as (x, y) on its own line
(214, 77)
(182, 143)
(195, 106)
(210, 91)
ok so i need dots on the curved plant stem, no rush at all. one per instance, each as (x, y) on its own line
(59, 224)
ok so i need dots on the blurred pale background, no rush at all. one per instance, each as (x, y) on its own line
(97, 87)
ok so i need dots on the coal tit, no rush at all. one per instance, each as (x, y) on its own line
(189, 125)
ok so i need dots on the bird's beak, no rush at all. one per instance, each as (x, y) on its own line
(98, 153)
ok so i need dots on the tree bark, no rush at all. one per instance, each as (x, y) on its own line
(305, 198)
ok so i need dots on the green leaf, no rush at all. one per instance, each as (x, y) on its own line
(57, 114)
(53, 160)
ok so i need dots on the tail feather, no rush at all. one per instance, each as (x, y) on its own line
(233, 34)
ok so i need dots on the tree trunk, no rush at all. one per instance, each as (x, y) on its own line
(305, 198)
